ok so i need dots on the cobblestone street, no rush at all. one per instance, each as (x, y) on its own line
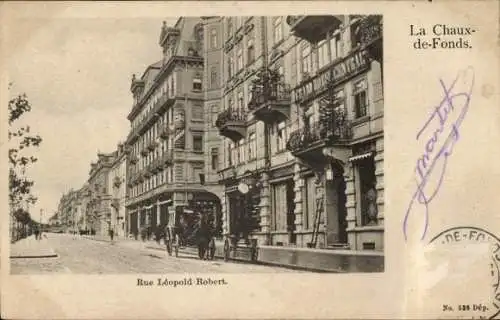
(85, 256)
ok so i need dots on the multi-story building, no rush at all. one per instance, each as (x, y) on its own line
(302, 111)
(68, 210)
(117, 189)
(213, 69)
(99, 195)
(166, 142)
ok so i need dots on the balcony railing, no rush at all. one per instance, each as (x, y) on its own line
(313, 28)
(164, 132)
(168, 157)
(115, 203)
(152, 145)
(117, 181)
(144, 151)
(134, 159)
(232, 124)
(325, 132)
(271, 97)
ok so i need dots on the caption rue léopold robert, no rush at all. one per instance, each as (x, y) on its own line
(165, 282)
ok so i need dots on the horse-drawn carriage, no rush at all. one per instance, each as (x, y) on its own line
(191, 226)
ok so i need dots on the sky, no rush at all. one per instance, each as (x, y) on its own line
(76, 73)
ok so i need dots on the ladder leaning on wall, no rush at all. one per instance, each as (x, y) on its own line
(317, 220)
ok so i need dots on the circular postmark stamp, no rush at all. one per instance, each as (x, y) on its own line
(479, 249)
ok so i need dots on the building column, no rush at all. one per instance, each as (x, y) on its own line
(158, 212)
(139, 213)
(298, 190)
(379, 175)
(225, 213)
(350, 190)
(265, 209)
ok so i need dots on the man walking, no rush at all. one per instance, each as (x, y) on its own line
(111, 234)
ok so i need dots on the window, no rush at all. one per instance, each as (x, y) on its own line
(277, 30)
(366, 191)
(197, 170)
(214, 83)
(279, 207)
(214, 156)
(197, 142)
(241, 151)
(360, 99)
(252, 146)
(281, 136)
(230, 103)
(241, 100)
(323, 57)
(229, 27)
(214, 109)
(197, 85)
(250, 48)
(335, 49)
(233, 153)
(230, 62)
(213, 38)
(306, 60)
(197, 112)
(239, 59)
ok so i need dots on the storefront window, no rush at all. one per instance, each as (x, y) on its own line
(367, 193)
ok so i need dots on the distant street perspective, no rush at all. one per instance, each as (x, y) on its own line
(64, 253)
(252, 144)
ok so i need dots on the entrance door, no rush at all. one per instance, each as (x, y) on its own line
(336, 211)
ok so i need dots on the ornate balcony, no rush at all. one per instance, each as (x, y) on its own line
(152, 145)
(232, 124)
(308, 142)
(134, 159)
(368, 34)
(271, 98)
(313, 28)
(117, 181)
(168, 158)
(115, 203)
(164, 132)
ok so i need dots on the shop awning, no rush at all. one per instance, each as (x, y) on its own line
(361, 156)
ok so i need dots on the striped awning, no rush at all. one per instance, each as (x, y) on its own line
(361, 156)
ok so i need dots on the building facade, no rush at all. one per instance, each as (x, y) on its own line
(117, 186)
(166, 163)
(302, 116)
(99, 195)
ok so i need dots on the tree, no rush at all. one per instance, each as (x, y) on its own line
(21, 140)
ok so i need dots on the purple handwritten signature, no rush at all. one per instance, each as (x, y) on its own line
(439, 135)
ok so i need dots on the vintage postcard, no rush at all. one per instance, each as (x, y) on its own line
(250, 160)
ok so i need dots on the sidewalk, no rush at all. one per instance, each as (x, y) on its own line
(139, 244)
(32, 248)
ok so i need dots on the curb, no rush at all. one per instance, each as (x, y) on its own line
(51, 255)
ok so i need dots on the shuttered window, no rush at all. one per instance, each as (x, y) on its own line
(279, 207)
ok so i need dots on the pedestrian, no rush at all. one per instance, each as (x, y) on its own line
(111, 234)
(36, 234)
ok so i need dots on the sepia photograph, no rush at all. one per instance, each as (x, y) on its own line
(212, 144)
